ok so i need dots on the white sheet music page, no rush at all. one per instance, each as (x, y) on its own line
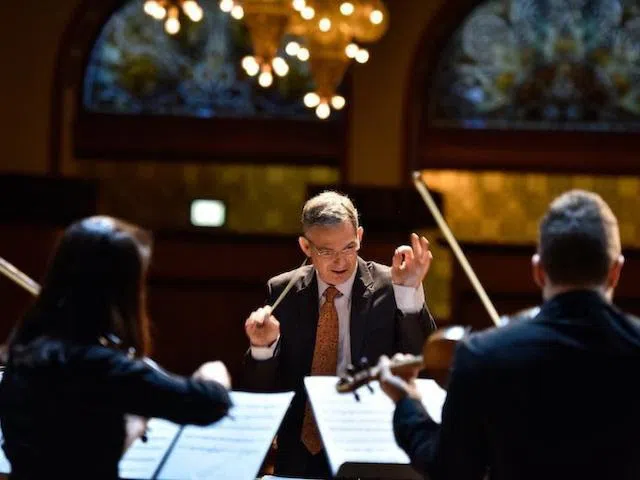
(5, 466)
(142, 459)
(362, 432)
(234, 447)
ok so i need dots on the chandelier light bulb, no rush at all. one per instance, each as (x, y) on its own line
(346, 8)
(280, 67)
(161, 13)
(265, 79)
(323, 111)
(237, 12)
(303, 54)
(226, 5)
(250, 65)
(338, 102)
(154, 9)
(150, 7)
(376, 17)
(172, 26)
(362, 56)
(324, 24)
(311, 100)
(292, 48)
(298, 5)
(308, 13)
(351, 50)
(192, 10)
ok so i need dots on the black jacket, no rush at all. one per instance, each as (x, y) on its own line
(62, 407)
(552, 397)
(377, 327)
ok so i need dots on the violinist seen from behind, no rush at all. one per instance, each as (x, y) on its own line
(77, 390)
(549, 397)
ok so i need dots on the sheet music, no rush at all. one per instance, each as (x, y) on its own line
(142, 459)
(5, 466)
(233, 448)
(362, 432)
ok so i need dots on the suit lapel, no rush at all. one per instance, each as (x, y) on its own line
(360, 306)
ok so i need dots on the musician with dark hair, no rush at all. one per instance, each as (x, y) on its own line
(551, 396)
(77, 387)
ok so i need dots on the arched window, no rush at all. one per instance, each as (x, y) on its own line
(135, 67)
(137, 92)
(544, 64)
(515, 84)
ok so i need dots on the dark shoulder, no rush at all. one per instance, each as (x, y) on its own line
(497, 346)
(56, 356)
(101, 359)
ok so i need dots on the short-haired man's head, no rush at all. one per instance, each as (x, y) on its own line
(579, 239)
(329, 209)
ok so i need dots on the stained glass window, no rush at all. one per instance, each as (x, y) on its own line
(135, 67)
(542, 64)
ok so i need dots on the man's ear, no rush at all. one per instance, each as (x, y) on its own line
(537, 271)
(304, 246)
(359, 233)
(614, 272)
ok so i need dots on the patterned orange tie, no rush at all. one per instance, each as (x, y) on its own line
(325, 362)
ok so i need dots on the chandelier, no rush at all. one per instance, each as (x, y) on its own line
(329, 34)
(267, 22)
(169, 11)
(332, 31)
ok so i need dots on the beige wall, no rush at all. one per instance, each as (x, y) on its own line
(29, 37)
(379, 96)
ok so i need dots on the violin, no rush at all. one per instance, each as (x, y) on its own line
(439, 348)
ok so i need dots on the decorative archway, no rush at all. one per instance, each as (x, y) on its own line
(98, 135)
(527, 128)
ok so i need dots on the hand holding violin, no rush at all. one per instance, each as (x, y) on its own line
(400, 384)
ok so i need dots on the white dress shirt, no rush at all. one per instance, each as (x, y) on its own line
(408, 300)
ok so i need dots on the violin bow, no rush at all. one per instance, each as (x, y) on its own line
(19, 277)
(433, 208)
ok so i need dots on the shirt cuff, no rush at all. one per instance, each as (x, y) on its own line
(264, 353)
(409, 299)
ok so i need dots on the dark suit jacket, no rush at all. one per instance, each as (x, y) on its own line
(377, 327)
(551, 397)
(62, 407)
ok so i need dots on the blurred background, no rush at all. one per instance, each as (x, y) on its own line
(210, 123)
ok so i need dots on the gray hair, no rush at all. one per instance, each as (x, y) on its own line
(329, 209)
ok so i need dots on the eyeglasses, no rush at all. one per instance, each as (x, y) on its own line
(348, 251)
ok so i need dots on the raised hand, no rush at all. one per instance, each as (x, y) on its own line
(411, 263)
(262, 328)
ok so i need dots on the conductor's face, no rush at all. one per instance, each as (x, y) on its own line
(333, 250)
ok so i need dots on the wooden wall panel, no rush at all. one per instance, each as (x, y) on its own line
(505, 273)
